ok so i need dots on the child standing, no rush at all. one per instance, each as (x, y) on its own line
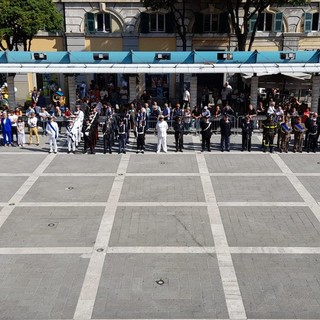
(21, 132)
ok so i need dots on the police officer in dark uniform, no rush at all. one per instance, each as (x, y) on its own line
(206, 131)
(108, 135)
(247, 129)
(140, 134)
(312, 136)
(122, 136)
(269, 131)
(178, 133)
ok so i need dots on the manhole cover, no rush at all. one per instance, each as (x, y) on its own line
(51, 225)
(69, 188)
(100, 249)
(160, 282)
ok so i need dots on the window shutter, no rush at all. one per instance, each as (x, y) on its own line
(224, 23)
(278, 22)
(169, 22)
(89, 22)
(144, 23)
(252, 22)
(307, 22)
(198, 23)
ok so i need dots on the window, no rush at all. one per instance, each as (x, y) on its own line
(311, 22)
(270, 22)
(211, 23)
(99, 22)
(157, 22)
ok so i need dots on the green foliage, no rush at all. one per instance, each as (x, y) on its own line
(21, 20)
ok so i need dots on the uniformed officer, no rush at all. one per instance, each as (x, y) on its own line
(122, 136)
(247, 129)
(140, 134)
(269, 131)
(206, 130)
(312, 137)
(178, 133)
(225, 129)
(108, 135)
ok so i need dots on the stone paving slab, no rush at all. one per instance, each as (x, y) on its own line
(163, 163)
(270, 226)
(167, 189)
(161, 226)
(70, 163)
(302, 162)
(279, 286)
(51, 227)
(192, 287)
(312, 184)
(9, 186)
(273, 189)
(241, 163)
(22, 163)
(40, 286)
(84, 189)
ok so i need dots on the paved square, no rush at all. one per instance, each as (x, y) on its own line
(312, 184)
(9, 186)
(166, 189)
(302, 163)
(263, 188)
(270, 226)
(241, 163)
(70, 189)
(232, 235)
(163, 163)
(279, 286)
(192, 287)
(40, 286)
(22, 163)
(78, 163)
(161, 226)
(51, 227)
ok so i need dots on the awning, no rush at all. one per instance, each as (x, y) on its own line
(247, 68)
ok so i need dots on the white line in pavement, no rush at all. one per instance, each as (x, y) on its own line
(22, 191)
(47, 250)
(262, 204)
(303, 192)
(91, 281)
(161, 250)
(276, 250)
(61, 204)
(229, 280)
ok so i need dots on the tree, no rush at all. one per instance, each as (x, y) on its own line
(242, 12)
(21, 20)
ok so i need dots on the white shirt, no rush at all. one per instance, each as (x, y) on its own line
(32, 122)
(52, 129)
(162, 128)
(186, 95)
(14, 119)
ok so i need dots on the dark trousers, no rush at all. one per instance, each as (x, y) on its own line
(179, 140)
(140, 142)
(312, 142)
(225, 142)
(14, 133)
(107, 144)
(268, 141)
(246, 141)
(122, 142)
(205, 142)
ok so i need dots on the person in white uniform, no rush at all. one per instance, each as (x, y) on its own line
(52, 130)
(71, 136)
(161, 129)
(78, 122)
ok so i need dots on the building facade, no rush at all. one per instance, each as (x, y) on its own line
(123, 25)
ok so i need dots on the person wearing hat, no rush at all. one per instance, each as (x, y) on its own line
(6, 127)
(206, 131)
(108, 134)
(52, 130)
(140, 134)
(225, 130)
(246, 132)
(178, 133)
(71, 130)
(312, 136)
(78, 123)
(269, 132)
(33, 127)
(122, 136)
(161, 130)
